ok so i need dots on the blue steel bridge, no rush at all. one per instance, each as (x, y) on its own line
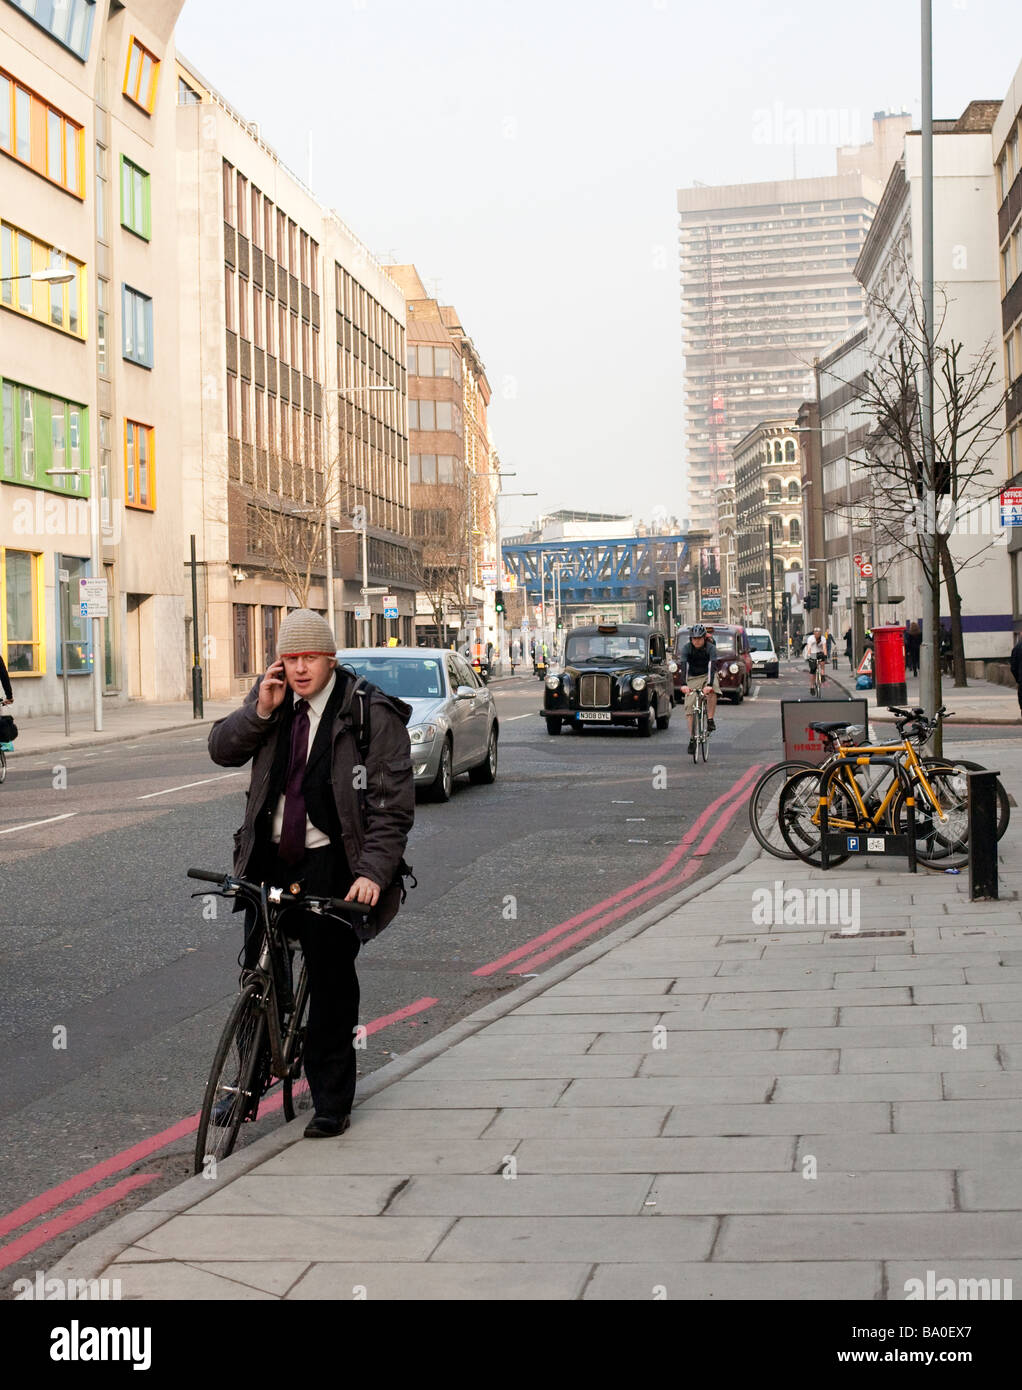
(614, 571)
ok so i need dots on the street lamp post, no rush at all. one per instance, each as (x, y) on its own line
(500, 559)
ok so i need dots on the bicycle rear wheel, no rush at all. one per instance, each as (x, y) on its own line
(231, 1093)
(3, 765)
(798, 815)
(763, 807)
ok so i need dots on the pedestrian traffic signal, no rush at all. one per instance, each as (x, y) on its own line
(498, 601)
(833, 597)
(650, 605)
(670, 596)
(814, 597)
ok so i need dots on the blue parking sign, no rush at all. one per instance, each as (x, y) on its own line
(853, 844)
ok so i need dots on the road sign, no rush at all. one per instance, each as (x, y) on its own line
(389, 606)
(380, 589)
(362, 614)
(858, 559)
(866, 664)
(92, 596)
(866, 569)
(1011, 506)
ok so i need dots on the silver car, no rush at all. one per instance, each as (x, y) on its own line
(453, 727)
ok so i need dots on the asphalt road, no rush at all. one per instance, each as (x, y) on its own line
(117, 981)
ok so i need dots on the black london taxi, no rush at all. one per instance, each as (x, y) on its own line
(613, 673)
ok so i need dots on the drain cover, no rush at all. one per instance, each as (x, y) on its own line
(858, 936)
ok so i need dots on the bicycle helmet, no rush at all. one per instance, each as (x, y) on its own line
(698, 630)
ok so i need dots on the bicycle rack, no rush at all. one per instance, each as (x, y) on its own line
(859, 842)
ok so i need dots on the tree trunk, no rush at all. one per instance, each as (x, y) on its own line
(931, 699)
(954, 603)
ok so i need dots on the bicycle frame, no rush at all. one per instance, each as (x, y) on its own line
(864, 755)
(901, 780)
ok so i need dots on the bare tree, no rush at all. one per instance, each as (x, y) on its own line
(920, 496)
(440, 569)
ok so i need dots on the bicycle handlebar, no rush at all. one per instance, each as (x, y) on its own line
(302, 899)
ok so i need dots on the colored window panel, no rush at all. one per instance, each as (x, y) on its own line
(58, 305)
(68, 21)
(139, 462)
(39, 135)
(135, 208)
(19, 613)
(141, 76)
(137, 314)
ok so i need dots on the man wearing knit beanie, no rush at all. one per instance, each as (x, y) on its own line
(330, 805)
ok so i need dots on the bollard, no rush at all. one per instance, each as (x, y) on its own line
(982, 835)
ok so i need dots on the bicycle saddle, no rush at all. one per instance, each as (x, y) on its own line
(831, 728)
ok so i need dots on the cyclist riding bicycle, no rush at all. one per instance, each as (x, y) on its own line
(696, 671)
(816, 655)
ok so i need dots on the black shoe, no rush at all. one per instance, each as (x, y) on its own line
(326, 1127)
(691, 745)
(710, 726)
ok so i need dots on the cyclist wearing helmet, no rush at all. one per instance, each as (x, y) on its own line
(816, 654)
(696, 660)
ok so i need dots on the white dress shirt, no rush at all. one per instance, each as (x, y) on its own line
(314, 837)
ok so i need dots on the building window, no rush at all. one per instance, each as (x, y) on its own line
(793, 492)
(20, 618)
(141, 75)
(139, 466)
(102, 310)
(100, 191)
(76, 646)
(135, 199)
(59, 305)
(794, 532)
(244, 647)
(137, 313)
(40, 433)
(271, 622)
(187, 96)
(68, 21)
(37, 134)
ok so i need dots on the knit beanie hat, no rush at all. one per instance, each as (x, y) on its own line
(305, 631)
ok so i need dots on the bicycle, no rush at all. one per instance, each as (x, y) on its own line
(816, 663)
(3, 766)
(700, 725)
(939, 788)
(271, 1001)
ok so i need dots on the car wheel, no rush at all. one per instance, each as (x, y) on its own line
(444, 779)
(738, 696)
(484, 773)
(648, 724)
(664, 720)
(553, 726)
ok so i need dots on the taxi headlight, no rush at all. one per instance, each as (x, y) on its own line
(733, 668)
(552, 682)
(638, 682)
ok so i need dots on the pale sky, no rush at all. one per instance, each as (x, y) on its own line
(525, 155)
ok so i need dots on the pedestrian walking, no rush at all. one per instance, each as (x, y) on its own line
(913, 641)
(848, 649)
(1016, 668)
(330, 804)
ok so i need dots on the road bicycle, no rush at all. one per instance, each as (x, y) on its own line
(700, 725)
(3, 765)
(870, 795)
(816, 666)
(270, 1008)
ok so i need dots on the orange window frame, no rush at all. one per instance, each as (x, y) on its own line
(146, 101)
(131, 469)
(38, 138)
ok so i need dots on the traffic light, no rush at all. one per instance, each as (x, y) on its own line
(833, 597)
(650, 605)
(814, 597)
(785, 607)
(670, 597)
(499, 601)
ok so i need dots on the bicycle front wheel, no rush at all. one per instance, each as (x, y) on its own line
(799, 816)
(296, 1049)
(3, 765)
(963, 765)
(941, 831)
(763, 807)
(229, 1094)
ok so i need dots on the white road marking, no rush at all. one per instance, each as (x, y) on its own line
(622, 803)
(184, 787)
(634, 818)
(29, 824)
(755, 693)
(511, 719)
(638, 842)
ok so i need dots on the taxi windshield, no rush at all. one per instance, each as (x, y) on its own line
(604, 648)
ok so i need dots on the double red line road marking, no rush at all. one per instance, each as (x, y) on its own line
(661, 881)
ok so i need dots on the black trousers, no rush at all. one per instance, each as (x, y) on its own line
(329, 948)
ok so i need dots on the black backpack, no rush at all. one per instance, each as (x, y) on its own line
(8, 729)
(357, 704)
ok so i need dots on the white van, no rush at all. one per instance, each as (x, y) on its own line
(761, 649)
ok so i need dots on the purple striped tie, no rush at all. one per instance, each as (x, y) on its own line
(292, 831)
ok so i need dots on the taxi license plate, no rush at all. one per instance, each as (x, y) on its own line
(587, 717)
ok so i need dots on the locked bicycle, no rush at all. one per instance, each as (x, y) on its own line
(264, 1036)
(871, 794)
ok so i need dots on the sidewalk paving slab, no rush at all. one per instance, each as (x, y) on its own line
(639, 1121)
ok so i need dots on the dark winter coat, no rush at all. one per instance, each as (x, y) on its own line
(374, 823)
(1016, 661)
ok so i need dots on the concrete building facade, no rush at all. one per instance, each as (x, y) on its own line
(767, 282)
(89, 369)
(1006, 133)
(768, 513)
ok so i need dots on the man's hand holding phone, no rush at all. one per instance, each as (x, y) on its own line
(272, 689)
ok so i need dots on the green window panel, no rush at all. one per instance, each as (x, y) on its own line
(39, 432)
(136, 212)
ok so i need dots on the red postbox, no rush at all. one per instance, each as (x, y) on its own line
(889, 665)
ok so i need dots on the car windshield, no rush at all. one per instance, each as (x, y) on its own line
(407, 677)
(604, 647)
(760, 643)
(725, 646)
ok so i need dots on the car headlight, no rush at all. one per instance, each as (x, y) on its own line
(552, 682)
(733, 668)
(638, 682)
(422, 733)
